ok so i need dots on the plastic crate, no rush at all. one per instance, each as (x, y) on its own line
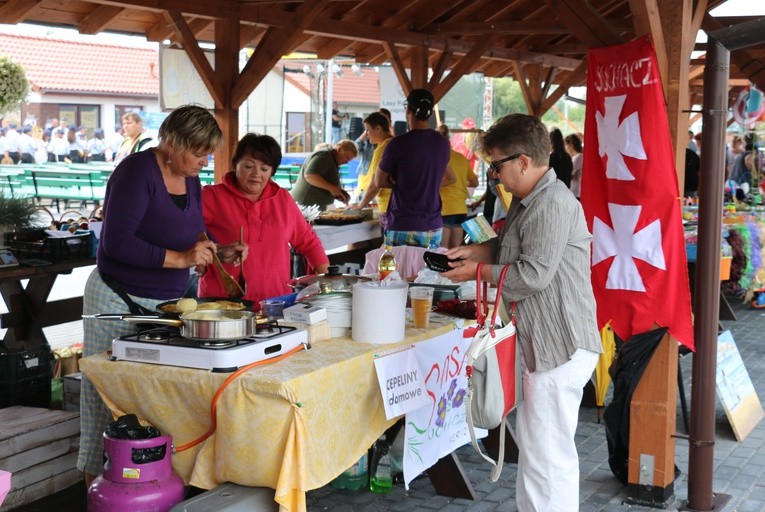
(36, 244)
(25, 377)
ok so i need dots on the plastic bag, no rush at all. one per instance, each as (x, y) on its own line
(128, 427)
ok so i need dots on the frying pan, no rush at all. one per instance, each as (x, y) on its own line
(212, 325)
(159, 308)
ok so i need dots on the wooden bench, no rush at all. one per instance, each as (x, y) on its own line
(12, 181)
(62, 184)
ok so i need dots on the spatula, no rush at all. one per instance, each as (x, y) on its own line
(229, 283)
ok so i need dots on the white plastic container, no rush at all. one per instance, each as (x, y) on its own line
(378, 314)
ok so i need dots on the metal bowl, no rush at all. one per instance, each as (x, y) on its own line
(331, 282)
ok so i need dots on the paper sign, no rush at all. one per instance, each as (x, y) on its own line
(401, 382)
(735, 389)
(440, 427)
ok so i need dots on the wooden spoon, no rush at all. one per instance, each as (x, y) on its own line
(229, 283)
(242, 282)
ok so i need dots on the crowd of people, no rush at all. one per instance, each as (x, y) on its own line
(58, 142)
(744, 165)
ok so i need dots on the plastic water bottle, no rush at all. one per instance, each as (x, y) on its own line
(381, 477)
(387, 263)
(355, 477)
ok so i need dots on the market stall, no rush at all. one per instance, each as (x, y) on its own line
(291, 426)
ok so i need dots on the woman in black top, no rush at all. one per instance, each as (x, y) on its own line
(559, 159)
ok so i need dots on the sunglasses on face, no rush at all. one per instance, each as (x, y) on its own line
(497, 164)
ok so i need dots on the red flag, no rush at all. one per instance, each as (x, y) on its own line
(630, 196)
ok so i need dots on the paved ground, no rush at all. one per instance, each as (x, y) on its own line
(739, 467)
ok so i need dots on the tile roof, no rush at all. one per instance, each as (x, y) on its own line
(348, 89)
(62, 66)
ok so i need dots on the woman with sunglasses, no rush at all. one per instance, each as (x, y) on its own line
(546, 245)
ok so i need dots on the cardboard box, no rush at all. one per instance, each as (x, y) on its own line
(316, 332)
(305, 314)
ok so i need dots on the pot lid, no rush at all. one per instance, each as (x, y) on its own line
(331, 282)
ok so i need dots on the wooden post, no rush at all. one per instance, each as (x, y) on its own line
(651, 469)
(227, 72)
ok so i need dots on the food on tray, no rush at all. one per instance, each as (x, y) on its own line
(338, 216)
(226, 305)
(183, 307)
(186, 305)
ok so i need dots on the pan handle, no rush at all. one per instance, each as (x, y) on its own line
(148, 319)
(137, 319)
(112, 316)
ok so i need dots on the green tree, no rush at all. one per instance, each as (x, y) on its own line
(508, 98)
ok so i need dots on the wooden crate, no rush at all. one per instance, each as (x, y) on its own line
(72, 384)
(39, 447)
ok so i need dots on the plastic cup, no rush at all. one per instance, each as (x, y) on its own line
(422, 301)
(273, 309)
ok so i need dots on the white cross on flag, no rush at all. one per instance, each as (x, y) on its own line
(630, 196)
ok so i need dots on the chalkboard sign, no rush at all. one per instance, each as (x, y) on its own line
(735, 389)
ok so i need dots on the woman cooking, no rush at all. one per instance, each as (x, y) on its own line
(271, 223)
(546, 246)
(149, 241)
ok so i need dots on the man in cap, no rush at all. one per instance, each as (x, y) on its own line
(97, 147)
(12, 143)
(415, 166)
(26, 145)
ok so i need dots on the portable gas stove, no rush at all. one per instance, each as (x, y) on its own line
(165, 345)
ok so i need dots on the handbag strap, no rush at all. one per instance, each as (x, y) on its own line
(482, 301)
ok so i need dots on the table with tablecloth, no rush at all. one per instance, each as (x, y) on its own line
(292, 426)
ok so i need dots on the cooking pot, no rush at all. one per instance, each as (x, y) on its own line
(209, 325)
(331, 282)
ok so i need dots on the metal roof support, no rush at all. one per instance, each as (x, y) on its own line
(706, 311)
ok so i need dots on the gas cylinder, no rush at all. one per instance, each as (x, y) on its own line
(138, 477)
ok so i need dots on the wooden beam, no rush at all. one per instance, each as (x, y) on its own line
(355, 32)
(463, 67)
(584, 22)
(645, 15)
(15, 11)
(196, 55)
(419, 67)
(227, 71)
(506, 28)
(247, 33)
(163, 30)
(653, 416)
(698, 16)
(520, 77)
(274, 44)
(562, 49)
(398, 67)
(98, 19)
(575, 77)
(548, 82)
(440, 68)
(676, 23)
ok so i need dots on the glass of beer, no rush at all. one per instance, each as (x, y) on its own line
(422, 301)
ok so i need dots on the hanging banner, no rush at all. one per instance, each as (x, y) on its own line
(630, 196)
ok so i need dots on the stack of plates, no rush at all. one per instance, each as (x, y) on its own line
(338, 306)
